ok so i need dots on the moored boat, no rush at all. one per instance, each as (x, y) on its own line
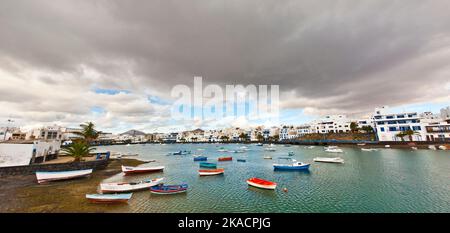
(310, 147)
(369, 149)
(129, 186)
(267, 157)
(43, 177)
(291, 153)
(200, 158)
(432, 147)
(259, 144)
(260, 183)
(329, 160)
(109, 198)
(169, 189)
(210, 172)
(133, 170)
(208, 165)
(225, 158)
(334, 150)
(241, 160)
(292, 166)
(442, 147)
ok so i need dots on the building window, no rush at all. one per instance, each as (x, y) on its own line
(382, 129)
(416, 128)
(392, 129)
(389, 117)
(400, 116)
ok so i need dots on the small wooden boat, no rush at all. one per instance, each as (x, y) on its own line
(43, 177)
(200, 158)
(294, 166)
(242, 160)
(369, 149)
(133, 170)
(260, 183)
(329, 160)
(225, 158)
(109, 198)
(267, 157)
(129, 186)
(208, 165)
(169, 189)
(211, 172)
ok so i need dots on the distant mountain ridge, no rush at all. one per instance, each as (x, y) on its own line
(133, 132)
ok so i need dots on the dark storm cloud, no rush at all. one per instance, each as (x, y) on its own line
(355, 51)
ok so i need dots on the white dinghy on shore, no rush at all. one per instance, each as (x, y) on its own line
(129, 186)
(43, 177)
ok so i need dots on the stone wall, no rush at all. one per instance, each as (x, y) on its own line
(31, 169)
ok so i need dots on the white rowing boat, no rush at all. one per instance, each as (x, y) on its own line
(43, 177)
(334, 150)
(369, 149)
(131, 170)
(329, 160)
(129, 186)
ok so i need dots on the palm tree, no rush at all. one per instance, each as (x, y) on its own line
(367, 129)
(260, 137)
(354, 127)
(78, 149)
(401, 135)
(242, 136)
(410, 133)
(88, 132)
(224, 138)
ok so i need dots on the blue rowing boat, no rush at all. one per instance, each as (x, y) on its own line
(169, 189)
(208, 165)
(200, 158)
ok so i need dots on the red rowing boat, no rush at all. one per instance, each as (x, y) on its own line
(225, 158)
(260, 183)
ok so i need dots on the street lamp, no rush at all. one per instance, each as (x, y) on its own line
(6, 131)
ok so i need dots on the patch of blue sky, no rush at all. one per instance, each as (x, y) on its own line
(423, 107)
(97, 110)
(110, 91)
(157, 100)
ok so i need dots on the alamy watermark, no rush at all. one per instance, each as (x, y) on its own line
(213, 102)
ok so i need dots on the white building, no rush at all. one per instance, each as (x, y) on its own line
(438, 131)
(332, 124)
(445, 113)
(18, 153)
(388, 125)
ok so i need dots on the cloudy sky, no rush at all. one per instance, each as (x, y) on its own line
(115, 62)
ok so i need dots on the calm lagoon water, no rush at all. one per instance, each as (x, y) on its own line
(388, 180)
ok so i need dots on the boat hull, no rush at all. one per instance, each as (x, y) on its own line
(44, 177)
(290, 167)
(211, 172)
(127, 187)
(328, 160)
(137, 170)
(257, 184)
(169, 189)
(108, 198)
(200, 159)
(225, 159)
(208, 165)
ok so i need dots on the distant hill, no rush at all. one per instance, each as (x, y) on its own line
(133, 133)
